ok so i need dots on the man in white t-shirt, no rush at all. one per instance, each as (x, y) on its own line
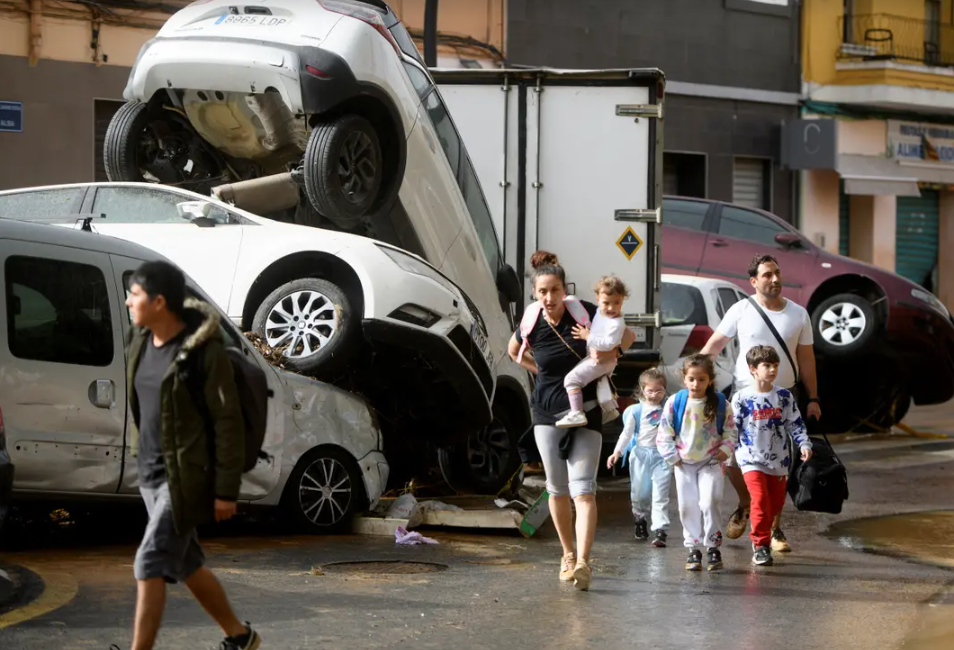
(795, 327)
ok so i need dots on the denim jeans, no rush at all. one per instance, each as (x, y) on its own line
(650, 477)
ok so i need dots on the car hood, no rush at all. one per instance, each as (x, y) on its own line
(890, 282)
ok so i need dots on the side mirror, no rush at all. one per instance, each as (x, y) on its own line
(788, 239)
(508, 283)
(190, 210)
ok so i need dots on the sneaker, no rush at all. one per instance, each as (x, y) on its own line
(660, 540)
(642, 529)
(763, 556)
(779, 543)
(582, 575)
(737, 523)
(714, 560)
(248, 641)
(610, 415)
(694, 562)
(572, 419)
(566, 567)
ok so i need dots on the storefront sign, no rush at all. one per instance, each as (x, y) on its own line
(916, 141)
(11, 117)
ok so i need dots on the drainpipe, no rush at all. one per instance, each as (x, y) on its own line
(430, 33)
(36, 30)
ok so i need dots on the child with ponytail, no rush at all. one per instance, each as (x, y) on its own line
(697, 434)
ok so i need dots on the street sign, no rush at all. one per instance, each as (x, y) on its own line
(629, 243)
(11, 117)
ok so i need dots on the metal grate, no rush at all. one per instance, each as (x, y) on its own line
(379, 567)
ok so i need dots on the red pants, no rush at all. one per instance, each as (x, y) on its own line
(768, 497)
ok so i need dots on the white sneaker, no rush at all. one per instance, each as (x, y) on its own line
(572, 419)
(609, 416)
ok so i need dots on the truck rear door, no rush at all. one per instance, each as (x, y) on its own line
(570, 162)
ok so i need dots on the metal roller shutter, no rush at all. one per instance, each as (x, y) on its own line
(670, 177)
(103, 111)
(917, 236)
(748, 182)
(844, 220)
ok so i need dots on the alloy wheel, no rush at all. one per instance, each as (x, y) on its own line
(325, 492)
(304, 321)
(488, 451)
(842, 324)
(357, 167)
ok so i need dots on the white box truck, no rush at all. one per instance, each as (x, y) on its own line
(570, 161)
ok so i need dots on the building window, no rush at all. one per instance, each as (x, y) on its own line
(932, 32)
(58, 312)
(684, 174)
(751, 182)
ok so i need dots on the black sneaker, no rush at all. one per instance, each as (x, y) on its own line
(642, 529)
(660, 541)
(694, 563)
(763, 556)
(714, 560)
(248, 641)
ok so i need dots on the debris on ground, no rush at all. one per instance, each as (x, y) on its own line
(403, 536)
(274, 356)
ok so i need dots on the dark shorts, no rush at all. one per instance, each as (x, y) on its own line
(164, 553)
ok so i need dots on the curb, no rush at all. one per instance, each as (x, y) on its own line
(7, 588)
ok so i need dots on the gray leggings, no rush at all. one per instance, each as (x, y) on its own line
(577, 474)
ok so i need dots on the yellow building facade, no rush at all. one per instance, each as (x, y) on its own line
(883, 71)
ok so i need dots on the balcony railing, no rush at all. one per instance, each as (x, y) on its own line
(873, 37)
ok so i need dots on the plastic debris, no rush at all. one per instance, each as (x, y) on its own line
(402, 536)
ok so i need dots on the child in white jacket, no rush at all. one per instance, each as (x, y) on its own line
(766, 418)
(696, 436)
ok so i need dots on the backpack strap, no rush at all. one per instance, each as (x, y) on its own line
(578, 311)
(530, 317)
(638, 416)
(679, 409)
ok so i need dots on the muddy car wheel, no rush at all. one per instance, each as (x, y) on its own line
(324, 492)
(313, 320)
(844, 325)
(344, 170)
(487, 461)
(141, 146)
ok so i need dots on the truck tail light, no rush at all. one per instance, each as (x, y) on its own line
(369, 16)
(698, 338)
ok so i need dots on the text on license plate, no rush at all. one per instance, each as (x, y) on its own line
(252, 20)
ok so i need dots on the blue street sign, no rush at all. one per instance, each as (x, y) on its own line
(11, 117)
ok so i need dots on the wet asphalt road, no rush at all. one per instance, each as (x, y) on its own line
(502, 590)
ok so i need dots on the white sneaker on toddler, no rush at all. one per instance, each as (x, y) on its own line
(572, 419)
(610, 415)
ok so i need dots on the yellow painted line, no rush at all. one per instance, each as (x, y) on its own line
(919, 434)
(59, 588)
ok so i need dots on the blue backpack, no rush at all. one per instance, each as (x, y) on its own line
(679, 409)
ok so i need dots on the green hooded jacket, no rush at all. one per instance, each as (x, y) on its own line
(201, 465)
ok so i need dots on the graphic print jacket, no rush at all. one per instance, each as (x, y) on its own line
(765, 422)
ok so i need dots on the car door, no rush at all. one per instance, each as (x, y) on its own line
(739, 234)
(729, 296)
(148, 216)
(62, 369)
(725, 359)
(260, 481)
(685, 231)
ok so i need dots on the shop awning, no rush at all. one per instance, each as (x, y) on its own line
(871, 175)
(930, 172)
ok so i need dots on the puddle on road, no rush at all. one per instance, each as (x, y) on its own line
(922, 536)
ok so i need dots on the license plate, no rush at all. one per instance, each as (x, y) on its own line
(252, 20)
(480, 338)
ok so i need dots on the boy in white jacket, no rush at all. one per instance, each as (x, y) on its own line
(766, 417)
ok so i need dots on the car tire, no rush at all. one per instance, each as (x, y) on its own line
(324, 492)
(487, 461)
(121, 143)
(331, 316)
(344, 170)
(844, 325)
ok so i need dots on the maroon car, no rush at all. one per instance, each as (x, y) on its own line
(880, 340)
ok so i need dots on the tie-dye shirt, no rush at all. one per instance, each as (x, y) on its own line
(765, 421)
(699, 440)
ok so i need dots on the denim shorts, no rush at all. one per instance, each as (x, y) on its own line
(165, 553)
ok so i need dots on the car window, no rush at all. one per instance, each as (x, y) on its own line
(729, 298)
(146, 205)
(446, 132)
(418, 79)
(480, 214)
(405, 42)
(41, 203)
(682, 305)
(58, 312)
(750, 226)
(684, 214)
(718, 303)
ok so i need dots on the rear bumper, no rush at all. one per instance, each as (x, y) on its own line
(923, 338)
(472, 384)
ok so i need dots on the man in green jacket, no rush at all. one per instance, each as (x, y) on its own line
(189, 470)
